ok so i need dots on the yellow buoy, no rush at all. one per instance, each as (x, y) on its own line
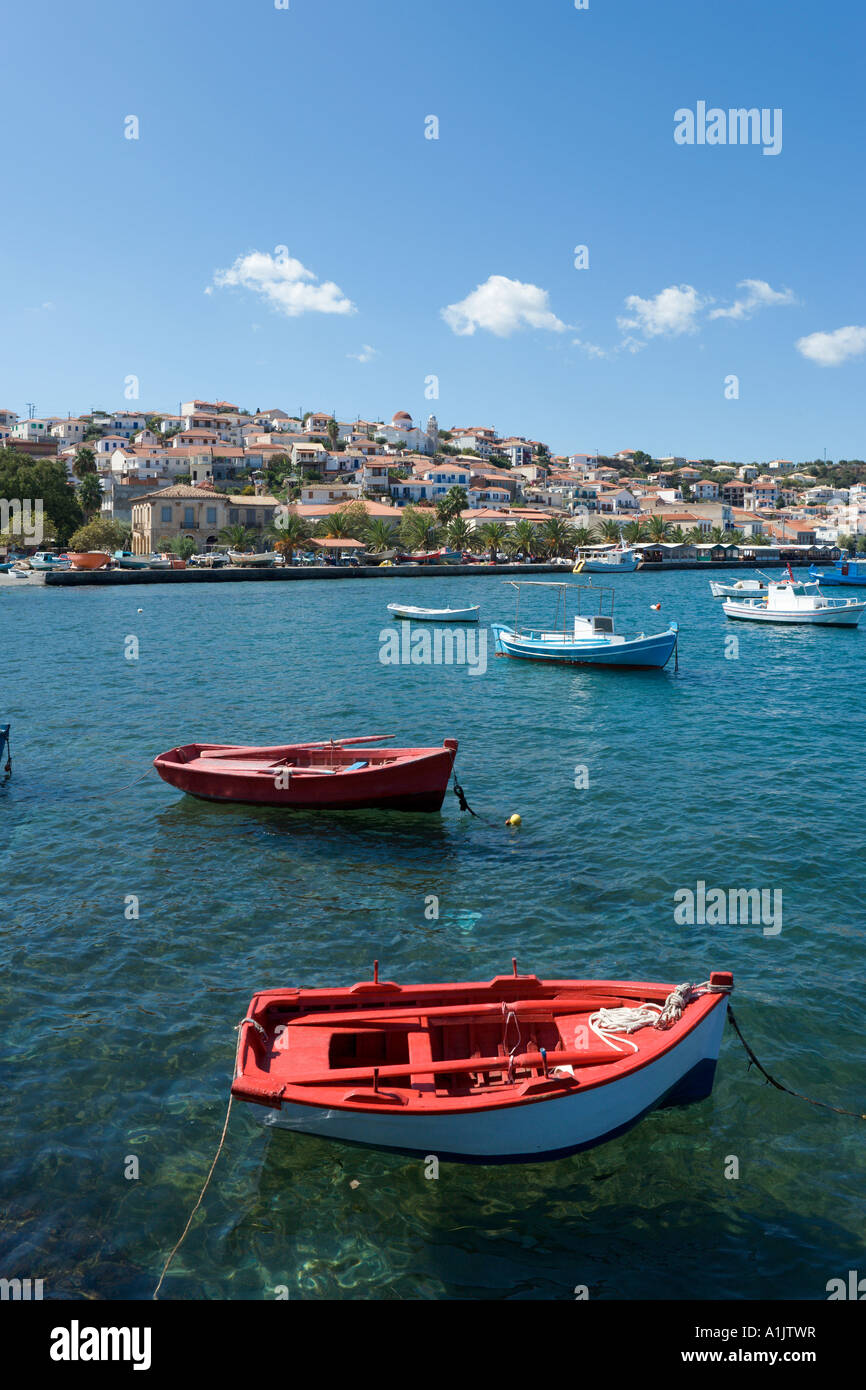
(514, 820)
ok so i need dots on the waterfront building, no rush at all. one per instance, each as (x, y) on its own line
(197, 512)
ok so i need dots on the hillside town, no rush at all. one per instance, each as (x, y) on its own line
(211, 472)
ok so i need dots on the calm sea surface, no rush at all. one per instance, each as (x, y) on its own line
(118, 1035)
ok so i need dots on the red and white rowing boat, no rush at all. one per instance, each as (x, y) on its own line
(336, 776)
(514, 1070)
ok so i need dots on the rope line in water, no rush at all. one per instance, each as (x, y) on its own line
(200, 1197)
(771, 1080)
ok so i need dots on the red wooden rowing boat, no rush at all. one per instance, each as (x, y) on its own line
(516, 1069)
(337, 775)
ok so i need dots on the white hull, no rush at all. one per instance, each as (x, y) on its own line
(846, 616)
(435, 615)
(745, 588)
(541, 1130)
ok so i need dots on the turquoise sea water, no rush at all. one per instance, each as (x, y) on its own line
(118, 1035)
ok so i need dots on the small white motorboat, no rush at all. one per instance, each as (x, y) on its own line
(434, 615)
(742, 588)
(797, 602)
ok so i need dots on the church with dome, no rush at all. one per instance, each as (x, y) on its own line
(403, 432)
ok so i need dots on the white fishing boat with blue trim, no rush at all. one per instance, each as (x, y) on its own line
(590, 640)
(600, 560)
(797, 602)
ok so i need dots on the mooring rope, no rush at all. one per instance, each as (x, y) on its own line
(215, 1159)
(771, 1080)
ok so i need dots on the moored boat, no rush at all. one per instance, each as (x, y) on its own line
(435, 615)
(253, 559)
(337, 775)
(129, 561)
(591, 640)
(741, 588)
(797, 602)
(514, 1069)
(88, 559)
(621, 559)
(47, 560)
(841, 572)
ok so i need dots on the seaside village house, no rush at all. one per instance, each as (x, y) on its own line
(197, 512)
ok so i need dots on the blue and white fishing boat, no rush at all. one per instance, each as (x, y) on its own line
(842, 572)
(590, 640)
(47, 560)
(619, 560)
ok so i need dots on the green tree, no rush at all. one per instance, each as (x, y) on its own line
(634, 532)
(30, 480)
(84, 462)
(458, 533)
(289, 532)
(610, 531)
(582, 536)
(237, 537)
(658, 528)
(101, 534)
(89, 494)
(418, 529)
(182, 546)
(492, 536)
(677, 535)
(523, 539)
(333, 433)
(452, 504)
(346, 523)
(557, 536)
(379, 535)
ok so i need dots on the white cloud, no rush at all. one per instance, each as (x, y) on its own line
(502, 306)
(830, 349)
(284, 283)
(366, 354)
(671, 312)
(759, 295)
(591, 349)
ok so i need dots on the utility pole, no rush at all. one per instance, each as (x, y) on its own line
(30, 409)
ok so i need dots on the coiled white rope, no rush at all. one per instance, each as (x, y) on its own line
(607, 1024)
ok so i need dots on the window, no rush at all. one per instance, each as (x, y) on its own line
(166, 514)
(234, 516)
(188, 516)
(211, 516)
(251, 515)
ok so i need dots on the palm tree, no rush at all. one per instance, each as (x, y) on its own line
(458, 534)
(557, 536)
(89, 494)
(452, 504)
(333, 433)
(634, 532)
(522, 539)
(379, 535)
(695, 536)
(85, 462)
(659, 529)
(418, 529)
(492, 536)
(610, 531)
(716, 534)
(236, 537)
(289, 532)
(583, 536)
(677, 535)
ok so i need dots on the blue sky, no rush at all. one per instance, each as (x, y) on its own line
(304, 128)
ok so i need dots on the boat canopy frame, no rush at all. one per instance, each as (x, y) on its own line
(604, 594)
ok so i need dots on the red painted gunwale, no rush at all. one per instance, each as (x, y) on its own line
(265, 1076)
(412, 779)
